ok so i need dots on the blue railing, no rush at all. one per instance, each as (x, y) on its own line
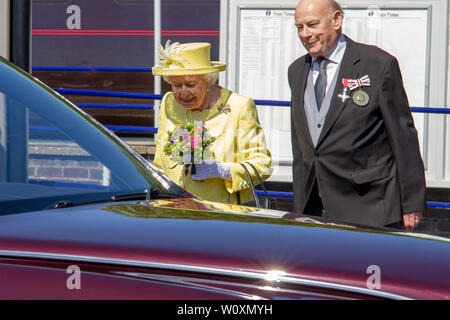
(115, 94)
(133, 95)
(115, 105)
(118, 94)
(107, 69)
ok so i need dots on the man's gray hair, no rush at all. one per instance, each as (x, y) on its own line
(336, 6)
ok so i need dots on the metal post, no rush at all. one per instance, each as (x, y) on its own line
(20, 47)
(16, 113)
(223, 45)
(157, 42)
(4, 29)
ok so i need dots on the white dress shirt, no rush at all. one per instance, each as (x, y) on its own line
(334, 60)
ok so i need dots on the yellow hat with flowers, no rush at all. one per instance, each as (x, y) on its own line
(186, 59)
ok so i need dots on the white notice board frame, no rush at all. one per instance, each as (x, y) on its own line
(433, 128)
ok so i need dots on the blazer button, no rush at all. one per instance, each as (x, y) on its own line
(319, 125)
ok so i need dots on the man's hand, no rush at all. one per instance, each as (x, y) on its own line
(411, 220)
(211, 169)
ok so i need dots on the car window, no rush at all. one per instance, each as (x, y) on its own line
(55, 157)
(51, 151)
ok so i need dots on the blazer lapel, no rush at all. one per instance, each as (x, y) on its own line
(302, 77)
(347, 70)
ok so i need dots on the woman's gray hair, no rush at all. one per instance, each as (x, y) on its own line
(211, 78)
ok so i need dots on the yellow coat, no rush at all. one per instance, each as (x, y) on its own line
(233, 120)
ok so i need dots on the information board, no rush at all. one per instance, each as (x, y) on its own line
(269, 43)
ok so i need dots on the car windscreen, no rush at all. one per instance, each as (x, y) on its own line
(51, 151)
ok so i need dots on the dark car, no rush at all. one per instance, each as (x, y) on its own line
(83, 216)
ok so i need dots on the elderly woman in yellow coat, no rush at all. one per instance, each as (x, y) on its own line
(226, 123)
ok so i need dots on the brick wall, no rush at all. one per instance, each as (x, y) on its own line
(64, 162)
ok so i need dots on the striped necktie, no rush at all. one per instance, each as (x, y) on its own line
(321, 81)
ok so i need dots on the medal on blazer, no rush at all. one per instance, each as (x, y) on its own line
(344, 96)
(360, 97)
(224, 108)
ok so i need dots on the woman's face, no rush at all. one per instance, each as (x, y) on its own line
(190, 91)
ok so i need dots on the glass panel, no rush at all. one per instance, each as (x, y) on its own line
(53, 156)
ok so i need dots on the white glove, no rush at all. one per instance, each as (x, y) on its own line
(212, 169)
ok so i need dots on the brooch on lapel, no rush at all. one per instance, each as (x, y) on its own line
(360, 97)
(344, 96)
(225, 109)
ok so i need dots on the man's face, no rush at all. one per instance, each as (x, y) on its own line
(318, 26)
(190, 91)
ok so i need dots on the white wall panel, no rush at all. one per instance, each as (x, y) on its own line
(4, 28)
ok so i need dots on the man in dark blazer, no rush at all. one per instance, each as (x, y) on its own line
(356, 155)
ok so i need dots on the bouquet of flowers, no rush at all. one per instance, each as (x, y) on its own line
(185, 145)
